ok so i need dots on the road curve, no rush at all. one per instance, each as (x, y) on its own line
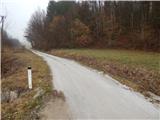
(92, 95)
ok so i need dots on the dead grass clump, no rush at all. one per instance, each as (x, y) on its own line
(10, 63)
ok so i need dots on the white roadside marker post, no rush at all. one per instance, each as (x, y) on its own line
(30, 77)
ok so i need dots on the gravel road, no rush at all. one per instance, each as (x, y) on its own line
(93, 95)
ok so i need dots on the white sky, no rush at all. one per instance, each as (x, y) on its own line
(18, 14)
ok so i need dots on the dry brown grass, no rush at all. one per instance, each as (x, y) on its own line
(15, 63)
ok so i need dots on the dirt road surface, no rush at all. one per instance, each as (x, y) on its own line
(93, 95)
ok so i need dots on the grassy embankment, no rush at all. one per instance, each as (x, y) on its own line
(24, 102)
(136, 69)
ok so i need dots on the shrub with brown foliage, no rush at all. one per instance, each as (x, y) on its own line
(81, 34)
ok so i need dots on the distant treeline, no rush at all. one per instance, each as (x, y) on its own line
(8, 41)
(96, 24)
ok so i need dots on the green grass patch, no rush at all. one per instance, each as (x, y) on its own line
(149, 60)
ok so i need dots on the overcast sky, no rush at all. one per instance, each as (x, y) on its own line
(18, 14)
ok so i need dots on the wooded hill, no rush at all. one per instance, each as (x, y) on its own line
(96, 24)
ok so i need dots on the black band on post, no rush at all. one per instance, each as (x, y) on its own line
(29, 67)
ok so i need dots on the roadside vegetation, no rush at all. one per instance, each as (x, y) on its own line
(136, 69)
(18, 102)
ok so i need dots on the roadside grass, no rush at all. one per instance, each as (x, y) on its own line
(15, 79)
(149, 60)
(136, 69)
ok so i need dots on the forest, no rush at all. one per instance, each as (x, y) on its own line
(96, 24)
